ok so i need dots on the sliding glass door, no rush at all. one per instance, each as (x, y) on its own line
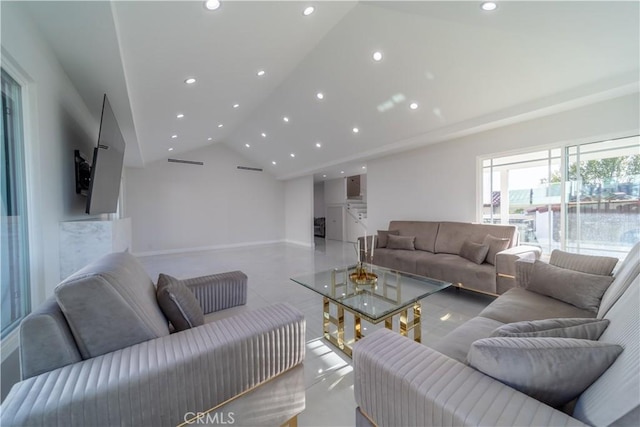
(14, 268)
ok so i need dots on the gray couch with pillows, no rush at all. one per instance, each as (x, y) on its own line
(480, 257)
(563, 348)
(102, 351)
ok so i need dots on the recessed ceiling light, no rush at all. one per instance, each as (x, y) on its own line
(377, 56)
(308, 10)
(212, 4)
(236, 105)
(320, 95)
(318, 144)
(286, 119)
(171, 149)
(260, 73)
(174, 136)
(364, 167)
(274, 163)
(180, 116)
(489, 6)
(355, 130)
(341, 171)
(413, 105)
(292, 154)
(209, 139)
(264, 135)
(190, 81)
(324, 176)
(247, 145)
(220, 125)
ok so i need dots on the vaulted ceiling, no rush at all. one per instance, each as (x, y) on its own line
(464, 69)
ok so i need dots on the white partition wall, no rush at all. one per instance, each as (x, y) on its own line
(298, 211)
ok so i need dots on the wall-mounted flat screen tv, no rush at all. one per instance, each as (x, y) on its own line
(106, 169)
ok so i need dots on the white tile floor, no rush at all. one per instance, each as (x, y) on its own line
(328, 373)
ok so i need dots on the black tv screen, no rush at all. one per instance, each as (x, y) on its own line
(106, 170)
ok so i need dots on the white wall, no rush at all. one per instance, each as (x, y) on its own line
(438, 182)
(318, 200)
(335, 191)
(178, 207)
(298, 211)
(56, 122)
(363, 186)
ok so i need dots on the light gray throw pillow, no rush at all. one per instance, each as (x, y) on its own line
(582, 290)
(496, 244)
(111, 304)
(474, 252)
(381, 241)
(401, 242)
(579, 328)
(592, 264)
(552, 370)
(178, 303)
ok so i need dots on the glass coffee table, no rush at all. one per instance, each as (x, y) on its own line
(394, 293)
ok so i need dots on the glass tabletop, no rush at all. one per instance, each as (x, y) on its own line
(393, 292)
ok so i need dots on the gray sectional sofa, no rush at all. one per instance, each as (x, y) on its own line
(101, 352)
(500, 367)
(436, 249)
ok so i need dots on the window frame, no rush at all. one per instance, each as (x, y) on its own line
(32, 178)
(563, 146)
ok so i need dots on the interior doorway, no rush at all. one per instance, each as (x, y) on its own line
(334, 222)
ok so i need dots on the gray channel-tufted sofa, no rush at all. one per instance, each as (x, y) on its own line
(400, 382)
(101, 353)
(436, 252)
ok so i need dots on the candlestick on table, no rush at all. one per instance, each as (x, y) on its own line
(373, 246)
(365, 244)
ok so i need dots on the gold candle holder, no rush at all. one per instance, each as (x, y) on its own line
(363, 277)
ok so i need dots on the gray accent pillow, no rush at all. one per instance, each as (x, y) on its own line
(401, 242)
(582, 290)
(496, 244)
(592, 264)
(579, 328)
(381, 241)
(111, 304)
(552, 370)
(474, 252)
(178, 303)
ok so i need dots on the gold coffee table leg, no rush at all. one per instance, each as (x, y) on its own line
(341, 327)
(406, 325)
(388, 323)
(326, 317)
(403, 323)
(357, 327)
(417, 327)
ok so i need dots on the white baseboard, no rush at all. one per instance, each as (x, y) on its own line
(207, 248)
(304, 244)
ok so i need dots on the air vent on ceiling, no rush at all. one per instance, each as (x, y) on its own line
(247, 168)
(188, 162)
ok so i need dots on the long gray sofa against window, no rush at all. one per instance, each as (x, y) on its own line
(401, 382)
(101, 351)
(437, 249)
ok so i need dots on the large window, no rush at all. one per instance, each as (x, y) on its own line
(602, 196)
(14, 268)
(582, 198)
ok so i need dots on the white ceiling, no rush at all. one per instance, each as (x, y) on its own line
(467, 69)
